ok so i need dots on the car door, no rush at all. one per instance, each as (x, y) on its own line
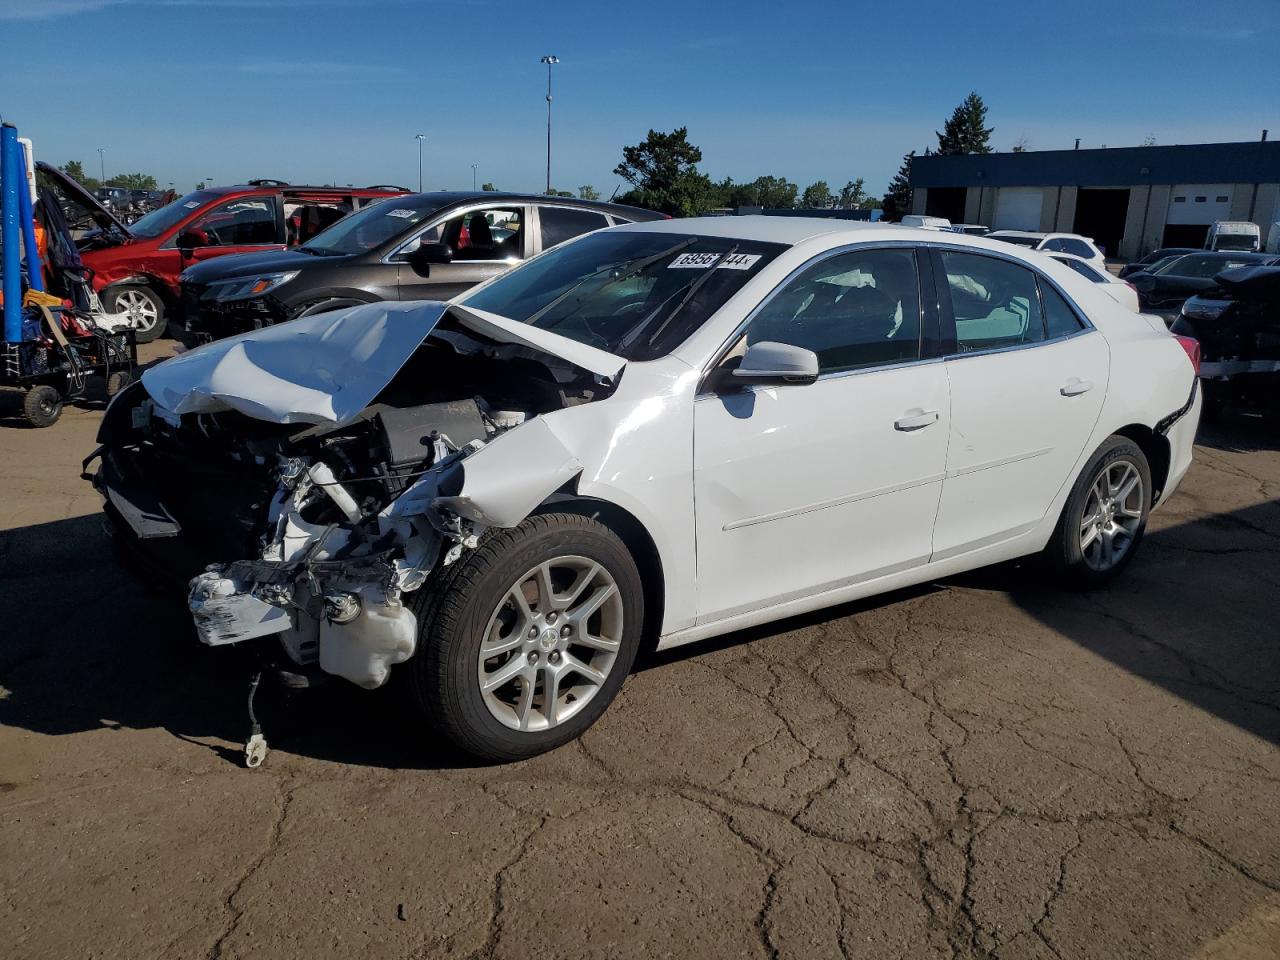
(241, 225)
(1027, 380)
(801, 489)
(486, 241)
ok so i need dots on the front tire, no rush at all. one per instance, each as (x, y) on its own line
(143, 305)
(529, 637)
(1105, 516)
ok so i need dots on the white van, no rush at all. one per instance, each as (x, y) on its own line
(1234, 235)
(927, 223)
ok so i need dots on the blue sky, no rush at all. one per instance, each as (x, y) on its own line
(334, 90)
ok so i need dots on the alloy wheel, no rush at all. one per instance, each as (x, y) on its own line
(1112, 515)
(140, 307)
(550, 644)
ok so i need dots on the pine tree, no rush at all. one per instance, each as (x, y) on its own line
(964, 131)
(897, 202)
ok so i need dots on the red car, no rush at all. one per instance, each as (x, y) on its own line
(136, 266)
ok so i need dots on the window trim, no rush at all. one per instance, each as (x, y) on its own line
(949, 322)
(928, 337)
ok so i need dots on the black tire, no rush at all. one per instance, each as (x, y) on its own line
(118, 381)
(1064, 553)
(42, 406)
(454, 611)
(119, 299)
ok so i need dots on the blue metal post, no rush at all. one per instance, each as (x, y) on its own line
(10, 183)
(26, 216)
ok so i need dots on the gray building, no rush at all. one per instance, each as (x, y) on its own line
(1129, 199)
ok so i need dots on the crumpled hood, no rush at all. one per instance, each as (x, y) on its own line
(328, 367)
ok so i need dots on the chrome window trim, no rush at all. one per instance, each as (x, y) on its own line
(459, 211)
(865, 246)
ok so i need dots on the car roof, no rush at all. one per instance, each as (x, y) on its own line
(788, 230)
(444, 198)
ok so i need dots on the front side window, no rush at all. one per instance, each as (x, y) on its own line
(854, 310)
(563, 223)
(248, 221)
(1055, 245)
(495, 233)
(638, 295)
(995, 302)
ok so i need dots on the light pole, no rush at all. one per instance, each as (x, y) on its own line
(473, 177)
(550, 61)
(421, 138)
(102, 165)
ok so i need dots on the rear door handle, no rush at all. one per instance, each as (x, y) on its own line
(1075, 386)
(916, 419)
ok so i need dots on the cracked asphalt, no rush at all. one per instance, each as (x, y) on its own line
(984, 767)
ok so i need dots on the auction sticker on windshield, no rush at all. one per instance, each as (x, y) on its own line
(701, 261)
(402, 212)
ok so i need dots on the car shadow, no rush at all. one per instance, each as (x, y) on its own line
(87, 648)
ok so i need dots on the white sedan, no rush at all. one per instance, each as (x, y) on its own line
(656, 433)
(1121, 291)
(1072, 243)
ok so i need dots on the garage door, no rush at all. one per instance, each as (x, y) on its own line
(1018, 208)
(1199, 203)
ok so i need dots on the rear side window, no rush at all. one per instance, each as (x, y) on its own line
(562, 223)
(856, 309)
(1078, 247)
(1059, 319)
(1055, 245)
(995, 302)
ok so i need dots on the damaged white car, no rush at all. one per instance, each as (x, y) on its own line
(658, 433)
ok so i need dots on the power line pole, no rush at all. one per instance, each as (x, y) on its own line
(473, 177)
(550, 61)
(102, 165)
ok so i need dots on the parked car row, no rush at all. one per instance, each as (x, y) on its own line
(422, 246)
(1163, 286)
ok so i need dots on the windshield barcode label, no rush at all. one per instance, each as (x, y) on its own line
(701, 261)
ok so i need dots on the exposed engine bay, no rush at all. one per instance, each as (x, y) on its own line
(311, 527)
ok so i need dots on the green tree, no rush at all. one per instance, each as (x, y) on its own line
(775, 192)
(663, 170)
(897, 202)
(816, 195)
(75, 170)
(132, 181)
(853, 195)
(489, 188)
(964, 131)
(588, 192)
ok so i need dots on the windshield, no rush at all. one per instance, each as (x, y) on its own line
(1011, 238)
(158, 221)
(1235, 241)
(373, 226)
(637, 295)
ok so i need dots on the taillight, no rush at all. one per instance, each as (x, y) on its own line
(1192, 346)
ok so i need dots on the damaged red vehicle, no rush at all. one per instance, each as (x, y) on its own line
(136, 267)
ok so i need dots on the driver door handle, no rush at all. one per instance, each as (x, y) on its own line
(1075, 386)
(916, 419)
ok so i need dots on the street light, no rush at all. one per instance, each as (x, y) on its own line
(473, 176)
(102, 165)
(550, 61)
(421, 138)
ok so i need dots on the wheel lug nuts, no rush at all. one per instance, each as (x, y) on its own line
(533, 656)
(564, 631)
(533, 633)
(551, 617)
(555, 656)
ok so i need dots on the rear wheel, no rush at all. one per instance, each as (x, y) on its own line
(1105, 516)
(525, 644)
(144, 306)
(42, 406)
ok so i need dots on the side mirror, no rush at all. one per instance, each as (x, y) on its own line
(770, 362)
(189, 240)
(426, 254)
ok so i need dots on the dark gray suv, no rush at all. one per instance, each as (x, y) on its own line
(423, 246)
